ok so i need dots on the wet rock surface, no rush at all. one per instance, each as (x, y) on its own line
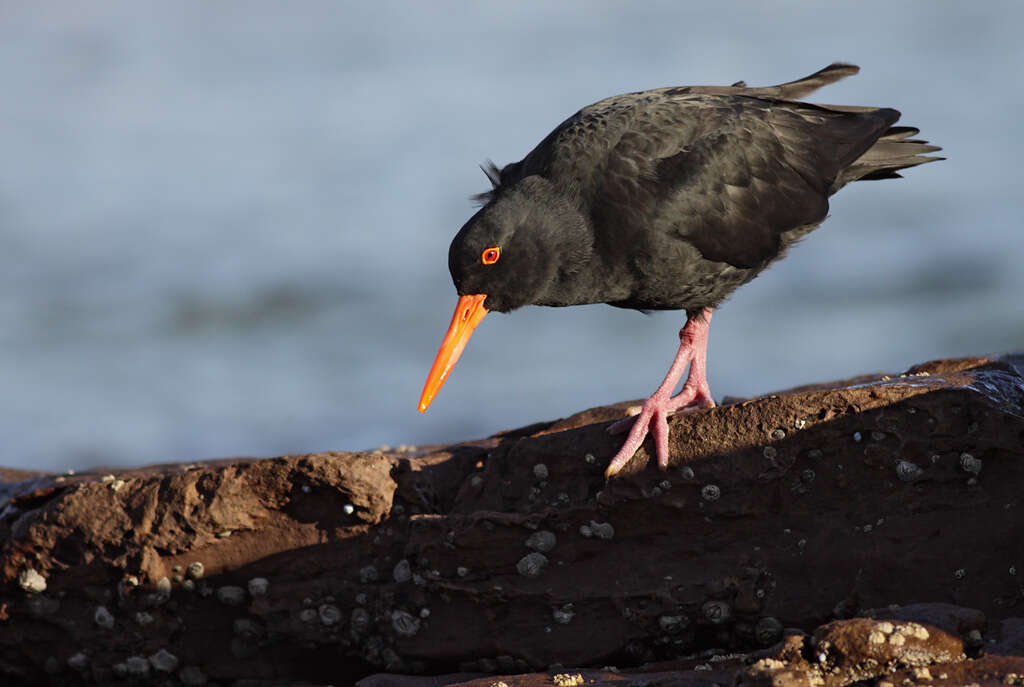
(869, 530)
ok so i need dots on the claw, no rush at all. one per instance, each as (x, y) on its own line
(654, 419)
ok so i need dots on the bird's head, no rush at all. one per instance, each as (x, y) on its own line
(517, 250)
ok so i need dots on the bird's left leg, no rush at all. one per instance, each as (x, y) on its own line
(653, 416)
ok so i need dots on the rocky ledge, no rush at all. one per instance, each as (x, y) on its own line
(867, 531)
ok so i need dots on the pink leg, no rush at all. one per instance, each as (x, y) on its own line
(693, 348)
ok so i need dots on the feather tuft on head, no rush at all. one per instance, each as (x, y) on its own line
(493, 175)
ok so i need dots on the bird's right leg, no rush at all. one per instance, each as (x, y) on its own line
(653, 416)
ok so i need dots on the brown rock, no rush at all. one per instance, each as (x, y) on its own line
(393, 680)
(779, 512)
(863, 648)
(988, 671)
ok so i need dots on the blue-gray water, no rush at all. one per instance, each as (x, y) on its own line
(224, 226)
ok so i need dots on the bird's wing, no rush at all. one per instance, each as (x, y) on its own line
(596, 117)
(727, 173)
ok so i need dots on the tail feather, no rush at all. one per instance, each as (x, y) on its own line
(893, 151)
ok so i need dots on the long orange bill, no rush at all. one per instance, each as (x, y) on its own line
(468, 313)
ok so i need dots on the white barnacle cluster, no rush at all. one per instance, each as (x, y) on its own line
(163, 661)
(907, 471)
(716, 611)
(768, 630)
(969, 463)
(231, 595)
(532, 564)
(402, 572)
(78, 661)
(897, 634)
(163, 590)
(564, 614)
(102, 617)
(258, 586)
(542, 540)
(246, 628)
(672, 624)
(136, 666)
(404, 623)
(31, 581)
(329, 614)
(359, 622)
(601, 530)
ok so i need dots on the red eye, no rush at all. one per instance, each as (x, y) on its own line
(491, 255)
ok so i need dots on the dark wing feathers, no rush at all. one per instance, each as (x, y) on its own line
(592, 117)
(729, 175)
(744, 188)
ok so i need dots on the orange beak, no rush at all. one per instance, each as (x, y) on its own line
(468, 313)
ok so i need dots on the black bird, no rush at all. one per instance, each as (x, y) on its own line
(661, 200)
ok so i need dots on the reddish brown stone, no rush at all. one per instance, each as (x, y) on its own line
(511, 555)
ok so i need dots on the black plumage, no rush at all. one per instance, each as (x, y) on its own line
(671, 198)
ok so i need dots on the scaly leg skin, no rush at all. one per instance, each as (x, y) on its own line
(653, 417)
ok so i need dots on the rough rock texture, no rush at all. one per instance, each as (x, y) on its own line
(871, 529)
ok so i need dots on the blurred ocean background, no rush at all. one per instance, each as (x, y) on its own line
(224, 225)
